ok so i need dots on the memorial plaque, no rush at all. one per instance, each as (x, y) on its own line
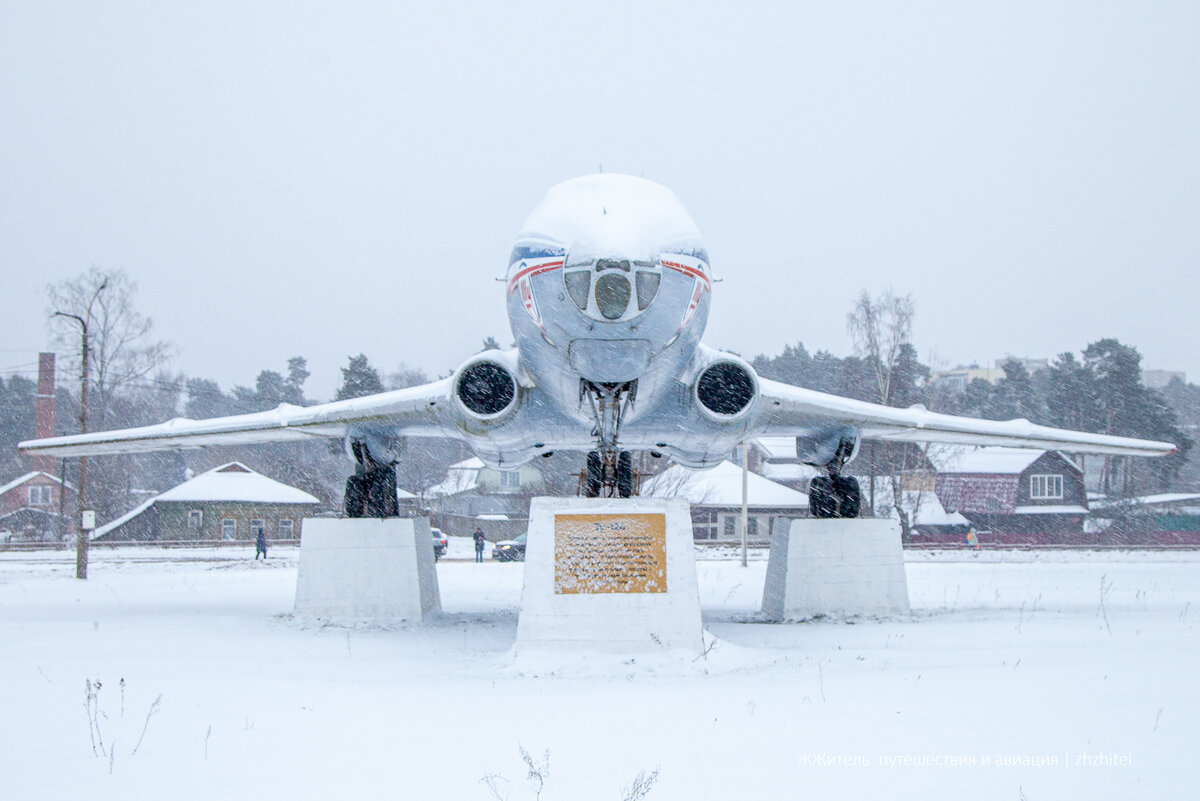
(610, 553)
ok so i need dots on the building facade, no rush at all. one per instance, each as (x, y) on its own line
(230, 503)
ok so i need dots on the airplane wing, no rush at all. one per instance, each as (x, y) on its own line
(423, 410)
(790, 410)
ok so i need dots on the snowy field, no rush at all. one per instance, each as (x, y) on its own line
(1018, 676)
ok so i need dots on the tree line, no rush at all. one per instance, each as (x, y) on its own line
(1100, 390)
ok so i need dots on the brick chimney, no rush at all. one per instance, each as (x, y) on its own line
(43, 425)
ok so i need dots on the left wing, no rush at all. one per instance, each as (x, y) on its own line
(794, 411)
(424, 410)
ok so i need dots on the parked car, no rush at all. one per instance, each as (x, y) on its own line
(439, 543)
(510, 550)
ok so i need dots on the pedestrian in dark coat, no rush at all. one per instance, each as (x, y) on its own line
(260, 545)
(480, 540)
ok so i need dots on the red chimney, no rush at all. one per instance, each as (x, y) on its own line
(43, 425)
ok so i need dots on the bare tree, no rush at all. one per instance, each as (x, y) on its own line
(122, 350)
(122, 353)
(882, 331)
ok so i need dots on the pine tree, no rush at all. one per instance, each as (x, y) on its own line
(359, 379)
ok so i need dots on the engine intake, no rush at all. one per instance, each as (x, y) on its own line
(486, 388)
(726, 389)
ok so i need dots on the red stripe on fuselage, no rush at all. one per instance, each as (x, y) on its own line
(536, 269)
(690, 271)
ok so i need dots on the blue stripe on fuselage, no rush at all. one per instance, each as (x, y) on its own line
(532, 250)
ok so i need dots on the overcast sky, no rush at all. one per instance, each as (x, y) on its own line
(290, 179)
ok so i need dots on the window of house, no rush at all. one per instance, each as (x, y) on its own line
(704, 525)
(730, 527)
(991, 503)
(510, 478)
(258, 528)
(41, 496)
(229, 528)
(286, 529)
(1045, 487)
(751, 527)
(195, 518)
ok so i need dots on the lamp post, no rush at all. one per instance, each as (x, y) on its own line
(81, 541)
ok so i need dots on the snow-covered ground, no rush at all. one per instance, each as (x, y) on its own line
(1036, 676)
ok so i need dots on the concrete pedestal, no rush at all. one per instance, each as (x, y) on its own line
(609, 574)
(380, 569)
(839, 568)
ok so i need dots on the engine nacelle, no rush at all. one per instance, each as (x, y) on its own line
(486, 389)
(821, 445)
(726, 389)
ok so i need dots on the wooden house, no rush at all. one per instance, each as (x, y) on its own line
(230, 503)
(37, 507)
(1014, 495)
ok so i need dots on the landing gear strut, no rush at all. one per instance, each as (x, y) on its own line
(609, 475)
(371, 491)
(835, 495)
(609, 472)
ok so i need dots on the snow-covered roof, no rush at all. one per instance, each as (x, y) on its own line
(1049, 509)
(790, 471)
(988, 459)
(721, 486)
(1160, 499)
(235, 482)
(16, 482)
(460, 477)
(125, 518)
(923, 506)
(777, 447)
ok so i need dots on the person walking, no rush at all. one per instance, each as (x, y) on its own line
(480, 540)
(260, 545)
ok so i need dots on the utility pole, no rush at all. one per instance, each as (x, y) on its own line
(81, 540)
(745, 519)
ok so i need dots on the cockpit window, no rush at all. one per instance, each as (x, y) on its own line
(612, 295)
(578, 284)
(612, 264)
(647, 288)
(605, 289)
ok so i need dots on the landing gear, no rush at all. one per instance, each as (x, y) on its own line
(594, 478)
(625, 475)
(608, 478)
(835, 495)
(609, 471)
(371, 491)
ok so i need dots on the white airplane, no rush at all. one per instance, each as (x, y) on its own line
(608, 294)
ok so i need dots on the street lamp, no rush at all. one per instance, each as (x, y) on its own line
(81, 541)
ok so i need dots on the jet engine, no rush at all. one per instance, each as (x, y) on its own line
(486, 389)
(726, 389)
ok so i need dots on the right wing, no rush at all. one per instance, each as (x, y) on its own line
(789, 410)
(421, 411)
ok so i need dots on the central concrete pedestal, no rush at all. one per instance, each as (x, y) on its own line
(367, 568)
(609, 574)
(837, 568)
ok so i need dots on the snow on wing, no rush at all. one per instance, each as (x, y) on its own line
(417, 411)
(790, 410)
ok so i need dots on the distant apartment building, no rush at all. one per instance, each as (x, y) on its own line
(1157, 379)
